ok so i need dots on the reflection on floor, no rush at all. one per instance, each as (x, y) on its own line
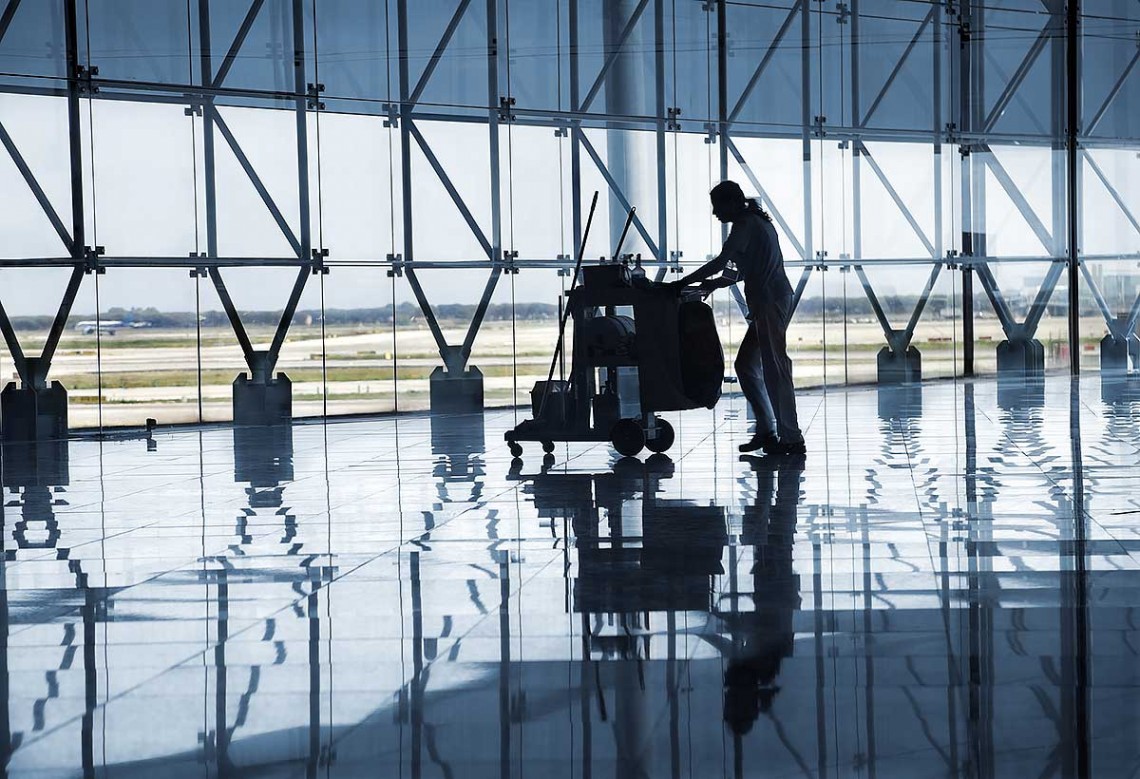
(946, 586)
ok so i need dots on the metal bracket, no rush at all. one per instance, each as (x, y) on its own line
(91, 260)
(505, 105)
(84, 75)
(817, 127)
(672, 124)
(397, 269)
(314, 91)
(319, 268)
(711, 132)
(393, 113)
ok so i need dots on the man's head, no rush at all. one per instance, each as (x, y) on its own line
(728, 201)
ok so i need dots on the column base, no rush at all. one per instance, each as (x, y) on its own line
(895, 368)
(33, 414)
(1021, 358)
(1115, 354)
(257, 403)
(456, 393)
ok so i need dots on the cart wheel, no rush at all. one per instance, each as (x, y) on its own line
(664, 438)
(548, 446)
(627, 437)
(516, 450)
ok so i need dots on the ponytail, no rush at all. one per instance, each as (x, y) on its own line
(752, 205)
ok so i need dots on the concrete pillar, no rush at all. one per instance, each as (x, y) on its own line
(630, 156)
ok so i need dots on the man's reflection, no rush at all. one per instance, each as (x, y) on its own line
(759, 639)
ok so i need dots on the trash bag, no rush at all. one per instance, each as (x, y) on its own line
(702, 358)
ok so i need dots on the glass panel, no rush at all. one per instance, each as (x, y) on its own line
(140, 40)
(611, 38)
(264, 57)
(267, 140)
(359, 187)
(897, 67)
(1019, 69)
(1110, 91)
(538, 54)
(37, 129)
(691, 63)
(148, 346)
(359, 340)
(77, 359)
(34, 43)
(143, 168)
(259, 295)
(777, 94)
(440, 230)
(355, 63)
(459, 75)
(416, 351)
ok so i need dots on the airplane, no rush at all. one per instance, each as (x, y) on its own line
(105, 327)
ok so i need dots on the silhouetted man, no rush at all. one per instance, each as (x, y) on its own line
(763, 637)
(752, 253)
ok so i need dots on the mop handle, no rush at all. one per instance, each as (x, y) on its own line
(566, 311)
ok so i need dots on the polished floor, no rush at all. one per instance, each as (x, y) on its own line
(946, 586)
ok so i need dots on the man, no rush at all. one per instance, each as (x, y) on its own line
(752, 253)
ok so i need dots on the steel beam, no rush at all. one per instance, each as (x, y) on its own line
(300, 86)
(613, 185)
(1000, 306)
(896, 69)
(440, 48)
(1101, 303)
(60, 321)
(37, 190)
(286, 320)
(258, 185)
(428, 312)
(662, 110)
(6, 17)
(772, 209)
(235, 47)
(1072, 10)
(480, 312)
(74, 131)
(923, 299)
(798, 292)
(865, 152)
(1015, 81)
(13, 342)
(1113, 193)
(456, 198)
(773, 47)
(1015, 195)
(805, 126)
(232, 314)
(612, 56)
(1112, 95)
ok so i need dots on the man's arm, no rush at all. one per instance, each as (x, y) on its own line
(710, 268)
(733, 247)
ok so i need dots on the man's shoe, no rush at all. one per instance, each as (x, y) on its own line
(791, 448)
(766, 441)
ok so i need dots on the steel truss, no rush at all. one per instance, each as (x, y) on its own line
(974, 129)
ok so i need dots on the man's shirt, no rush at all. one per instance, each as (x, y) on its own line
(754, 249)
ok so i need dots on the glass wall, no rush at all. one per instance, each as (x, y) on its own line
(363, 189)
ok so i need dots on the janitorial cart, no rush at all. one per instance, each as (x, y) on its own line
(638, 348)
